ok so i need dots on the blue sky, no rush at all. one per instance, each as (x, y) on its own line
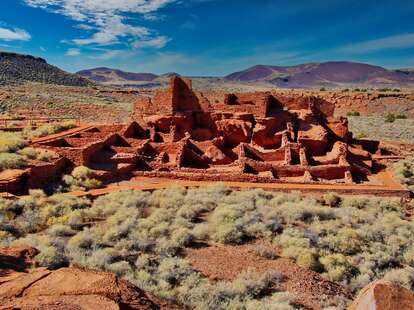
(208, 37)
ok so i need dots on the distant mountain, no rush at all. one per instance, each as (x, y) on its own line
(115, 76)
(335, 73)
(18, 68)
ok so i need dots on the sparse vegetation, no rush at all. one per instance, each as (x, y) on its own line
(140, 236)
(48, 129)
(404, 171)
(353, 113)
(81, 178)
(14, 153)
(377, 129)
(361, 135)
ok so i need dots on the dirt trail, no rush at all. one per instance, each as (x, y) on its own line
(391, 189)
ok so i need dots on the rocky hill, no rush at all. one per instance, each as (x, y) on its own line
(105, 75)
(340, 73)
(17, 68)
(312, 75)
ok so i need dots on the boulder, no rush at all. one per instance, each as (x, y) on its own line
(383, 295)
(65, 288)
(72, 288)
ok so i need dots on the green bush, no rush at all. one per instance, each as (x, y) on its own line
(353, 113)
(11, 161)
(361, 135)
(50, 258)
(82, 178)
(337, 266)
(403, 277)
(39, 154)
(11, 142)
(404, 172)
(390, 118)
(331, 199)
(48, 129)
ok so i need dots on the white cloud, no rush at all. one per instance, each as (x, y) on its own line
(110, 54)
(107, 20)
(390, 42)
(73, 52)
(15, 34)
(157, 42)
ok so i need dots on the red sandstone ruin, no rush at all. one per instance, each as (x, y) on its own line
(255, 137)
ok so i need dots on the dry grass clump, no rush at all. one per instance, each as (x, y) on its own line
(11, 142)
(240, 216)
(48, 129)
(81, 178)
(404, 171)
(14, 154)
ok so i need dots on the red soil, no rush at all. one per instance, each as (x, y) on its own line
(219, 262)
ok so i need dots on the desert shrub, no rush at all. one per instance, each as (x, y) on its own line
(404, 172)
(82, 178)
(240, 216)
(39, 154)
(331, 199)
(264, 252)
(11, 161)
(309, 259)
(50, 258)
(60, 230)
(361, 135)
(353, 113)
(11, 142)
(337, 266)
(403, 277)
(121, 268)
(48, 129)
(390, 118)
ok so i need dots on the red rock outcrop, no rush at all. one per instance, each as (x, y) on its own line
(66, 288)
(383, 295)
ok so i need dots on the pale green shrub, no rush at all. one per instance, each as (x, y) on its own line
(11, 142)
(50, 258)
(82, 178)
(11, 161)
(403, 277)
(337, 266)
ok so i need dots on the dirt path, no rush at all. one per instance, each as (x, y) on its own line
(392, 189)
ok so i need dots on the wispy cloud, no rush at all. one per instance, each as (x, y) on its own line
(370, 46)
(73, 52)
(106, 21)
(14, 34)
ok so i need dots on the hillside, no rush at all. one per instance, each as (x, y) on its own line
(114, 76)
(17, 68)
(325, 74)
